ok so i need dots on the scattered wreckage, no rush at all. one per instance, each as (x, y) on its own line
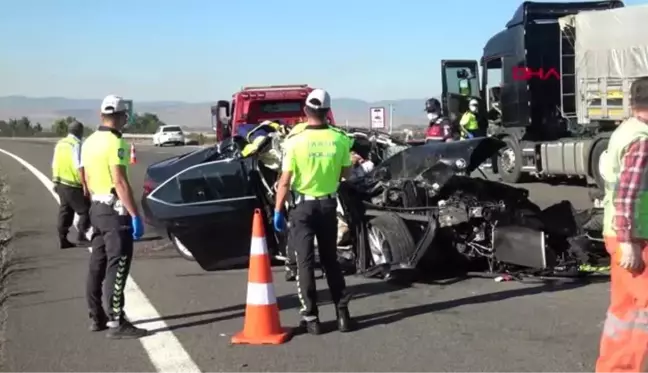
(418, 210)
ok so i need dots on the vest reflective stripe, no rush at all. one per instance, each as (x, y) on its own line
(610, 167)
(636, 320)
(64, 170)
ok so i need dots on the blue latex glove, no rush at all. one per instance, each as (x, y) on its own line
(279, 221)
(138, 227)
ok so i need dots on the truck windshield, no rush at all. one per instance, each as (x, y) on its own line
(278, 107)
(466, 85)
(287, 111)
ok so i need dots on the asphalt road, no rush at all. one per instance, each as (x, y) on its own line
(462, 325)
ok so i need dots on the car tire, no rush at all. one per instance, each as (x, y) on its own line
(389, 235)
(181, 249)
(514, 175)
(599, 148)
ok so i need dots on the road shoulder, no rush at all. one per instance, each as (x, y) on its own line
(47, 317)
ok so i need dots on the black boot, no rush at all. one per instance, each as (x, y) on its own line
(98, 323)
(311, 326)
(125, 330)
(64, 243)
(344, 320)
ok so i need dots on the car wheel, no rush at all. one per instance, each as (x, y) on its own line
(390, 241)
(181, 249)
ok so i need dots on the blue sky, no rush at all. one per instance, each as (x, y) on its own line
(205, 50)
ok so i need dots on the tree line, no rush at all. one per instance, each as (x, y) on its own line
(24, 127)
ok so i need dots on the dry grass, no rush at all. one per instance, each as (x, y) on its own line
(200, 139)
(6, 259)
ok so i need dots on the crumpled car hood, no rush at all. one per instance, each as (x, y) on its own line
(413, 161)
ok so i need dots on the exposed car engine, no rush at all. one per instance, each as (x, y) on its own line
(420, 207)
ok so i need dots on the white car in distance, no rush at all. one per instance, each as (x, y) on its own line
(168, 135)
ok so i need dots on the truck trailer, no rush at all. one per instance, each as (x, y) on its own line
(565, 71)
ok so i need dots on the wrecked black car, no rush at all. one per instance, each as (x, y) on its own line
(419, 210)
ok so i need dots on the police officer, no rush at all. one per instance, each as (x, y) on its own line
(439, 127)
(115, 219)
(291, 259)
(468, 124)
(69, 184)
(315, 160)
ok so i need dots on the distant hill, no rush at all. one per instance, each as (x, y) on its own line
(190, 115)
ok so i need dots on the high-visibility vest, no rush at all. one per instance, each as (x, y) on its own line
(469, 121)
(610, 168)
(64, 164)
(102, 150)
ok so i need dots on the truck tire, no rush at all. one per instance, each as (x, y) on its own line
(510, 173)
(595, 158)
(389, 234)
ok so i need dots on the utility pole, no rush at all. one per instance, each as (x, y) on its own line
(391, 118)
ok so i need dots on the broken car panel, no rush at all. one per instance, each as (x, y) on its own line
(418, 209)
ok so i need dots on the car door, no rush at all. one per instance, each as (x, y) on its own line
(208, 207)
(459, 84)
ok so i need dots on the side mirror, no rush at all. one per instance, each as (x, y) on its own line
(221, 119)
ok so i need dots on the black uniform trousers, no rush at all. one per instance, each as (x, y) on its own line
(110, 261)
(310, 219)
(72, 201)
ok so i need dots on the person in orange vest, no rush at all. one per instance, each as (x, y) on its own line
(624, 167)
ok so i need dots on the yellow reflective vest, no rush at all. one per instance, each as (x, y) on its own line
(67, 161)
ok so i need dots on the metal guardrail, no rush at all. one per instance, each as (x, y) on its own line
(131, 137)
(139, 136)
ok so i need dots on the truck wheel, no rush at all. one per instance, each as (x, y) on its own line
(509, 161)
(390, 241)
(597, 151)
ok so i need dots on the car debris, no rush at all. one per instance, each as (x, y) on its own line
(420, 209)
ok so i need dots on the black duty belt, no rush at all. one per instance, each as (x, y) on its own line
(299, 197)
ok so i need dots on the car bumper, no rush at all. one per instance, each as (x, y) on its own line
(157, 225)
(172, 139)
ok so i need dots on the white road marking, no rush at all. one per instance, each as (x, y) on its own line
(163, 348)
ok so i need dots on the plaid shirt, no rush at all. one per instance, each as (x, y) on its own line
(635, 166)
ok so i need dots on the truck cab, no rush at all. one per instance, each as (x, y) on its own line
(253, 105)
(526, 85)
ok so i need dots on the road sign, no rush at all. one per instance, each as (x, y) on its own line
(377, 116)
(131, 116)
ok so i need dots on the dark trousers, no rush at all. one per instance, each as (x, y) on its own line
(72, 201)
(110, 261)
(308, 220)
(291, 261)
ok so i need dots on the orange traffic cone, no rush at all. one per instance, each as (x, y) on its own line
(262, 324)
(133, 157)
